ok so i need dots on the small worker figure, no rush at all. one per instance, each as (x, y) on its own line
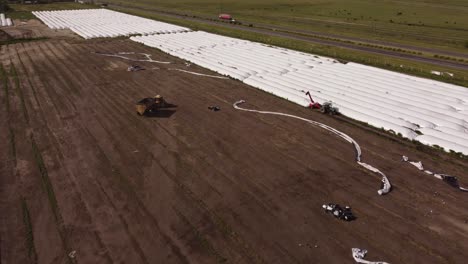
(158, 99)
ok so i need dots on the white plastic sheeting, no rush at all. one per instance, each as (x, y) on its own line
(452, 180)
(199, 74)
(124, 55)
(102, 23)
(359, 254)
(386, 186)
(4, 21)
(396, 102)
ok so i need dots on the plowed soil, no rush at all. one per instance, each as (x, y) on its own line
(83, 179)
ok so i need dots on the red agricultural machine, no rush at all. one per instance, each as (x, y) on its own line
(326, 108)
(226, 17)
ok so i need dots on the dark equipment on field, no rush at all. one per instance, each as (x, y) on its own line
(326, 108)
(214, 108)
(135, 68)
(154, 106)
(339, 212)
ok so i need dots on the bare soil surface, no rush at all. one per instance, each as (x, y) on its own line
(34, 28)
(83, 179)
(4, 36)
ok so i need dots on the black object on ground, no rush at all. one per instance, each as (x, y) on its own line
(343, 213)
(135, 68)
(155, 107)
(214, 108)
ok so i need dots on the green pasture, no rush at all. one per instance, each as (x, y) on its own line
(428, 23)
(20, 11)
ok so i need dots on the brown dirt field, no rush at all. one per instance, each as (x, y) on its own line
(80, 171)
(33, 28)
(4, 36)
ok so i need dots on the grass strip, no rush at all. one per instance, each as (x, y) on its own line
(201, 239)
(32, 255)
(52, 198)
(12, 143)
(4, 79)
(22, 40)
(45, 179)
(14, 74)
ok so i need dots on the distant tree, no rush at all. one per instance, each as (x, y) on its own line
(4, 6)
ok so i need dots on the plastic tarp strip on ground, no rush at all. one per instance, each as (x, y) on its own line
(360, 254)
(386, 186)
(121, 56)
(199, 74)
(451, 180)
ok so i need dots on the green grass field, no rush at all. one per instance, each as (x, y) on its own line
(24, 11)
(426, 23)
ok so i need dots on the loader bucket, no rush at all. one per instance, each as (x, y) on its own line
(143, 105)
(140, 109)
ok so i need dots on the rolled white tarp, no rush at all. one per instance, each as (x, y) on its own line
(360, 254)
(451, 180)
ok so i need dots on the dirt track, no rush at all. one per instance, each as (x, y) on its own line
(89, 175)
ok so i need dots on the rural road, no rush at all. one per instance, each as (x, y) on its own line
(310, 39)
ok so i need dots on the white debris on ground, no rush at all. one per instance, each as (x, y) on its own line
(200, 74)
(360, 254)
(386, 186)
(148, 58)
(72, 254)
(4, 21)
(432, 112)
(442, 73)
(122, 55)
(102, 23)
(451, 180)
